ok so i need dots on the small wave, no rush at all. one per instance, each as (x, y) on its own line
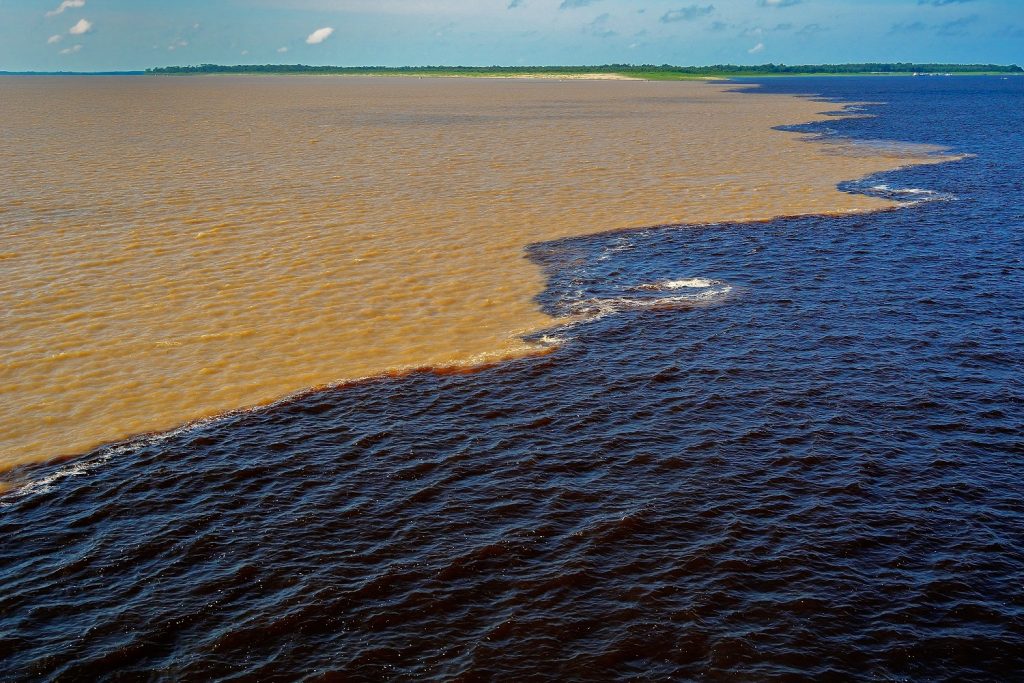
(45, 484)
(551, 340)
(713, 291)
(81, 466)
(907, 195)
(901, 190)
(619, 245)
(692, 283)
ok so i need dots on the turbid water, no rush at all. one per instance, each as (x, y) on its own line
(176, 248)
(772, 451)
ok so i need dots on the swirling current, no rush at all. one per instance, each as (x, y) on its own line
(775, 451)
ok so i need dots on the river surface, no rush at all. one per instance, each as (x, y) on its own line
(176, 248)
(777, 450)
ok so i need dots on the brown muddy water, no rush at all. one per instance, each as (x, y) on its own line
(174, 248)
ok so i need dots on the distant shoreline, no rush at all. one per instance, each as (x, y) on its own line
(649, 72)
(664, 72)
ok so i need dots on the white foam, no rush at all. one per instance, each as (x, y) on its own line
(694, 282)
(45, 484)
(551, 340)
(79, 467)
(685, 283)
(919, 194)
(593, 309)
(619, 245)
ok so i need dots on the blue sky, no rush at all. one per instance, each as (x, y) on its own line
(135, 34)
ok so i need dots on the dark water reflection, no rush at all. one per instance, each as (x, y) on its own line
(814, 472)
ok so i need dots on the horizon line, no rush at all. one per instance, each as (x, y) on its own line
(1011, 68)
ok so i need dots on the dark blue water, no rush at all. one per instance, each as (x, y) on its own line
(810, 466)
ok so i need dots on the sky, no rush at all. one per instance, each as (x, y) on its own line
(93, 35)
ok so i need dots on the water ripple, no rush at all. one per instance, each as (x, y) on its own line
(815, 478)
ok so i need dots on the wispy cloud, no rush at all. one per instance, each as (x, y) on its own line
(757, 48)
(67, 4)
(320, 35)
(1010, 32)
(758, 31)
(599, 27)
(54, 39)
(686, 13)
(71, 50)
(811, 30)
(957, 27)
(954, 28)
(908, 27)
(282, 50)
(82, 27)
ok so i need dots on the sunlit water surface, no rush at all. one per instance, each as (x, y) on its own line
(175, 248)
(778, 450)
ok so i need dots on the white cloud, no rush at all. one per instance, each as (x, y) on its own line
(689, 13)
(67, 4)
(282, 50)
(757, 48)
(54, 39)
(83, 26)
(431, 8)
(320, 35)
(71, 50)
